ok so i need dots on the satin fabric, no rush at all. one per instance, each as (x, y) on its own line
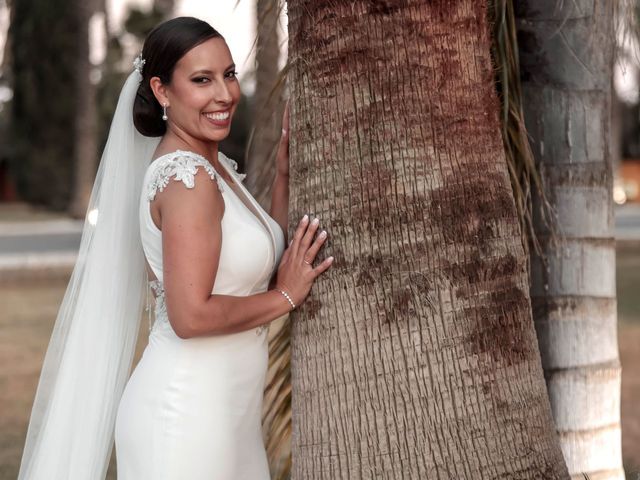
(192, 407)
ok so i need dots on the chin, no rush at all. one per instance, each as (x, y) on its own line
(218, 136)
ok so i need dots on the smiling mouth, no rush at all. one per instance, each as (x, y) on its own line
(218, 116)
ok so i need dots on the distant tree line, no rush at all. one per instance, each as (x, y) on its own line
(45, 50)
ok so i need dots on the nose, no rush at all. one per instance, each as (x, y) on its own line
(221, 93)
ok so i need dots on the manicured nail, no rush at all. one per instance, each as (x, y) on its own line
(284, 131)
(305, 218)
(330, 259)
(323, 234)
(315, 221)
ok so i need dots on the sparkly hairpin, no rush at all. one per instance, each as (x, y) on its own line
(138, 63)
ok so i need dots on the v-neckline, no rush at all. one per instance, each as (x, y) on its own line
(255, 211)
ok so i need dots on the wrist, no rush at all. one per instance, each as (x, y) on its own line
(284, 293)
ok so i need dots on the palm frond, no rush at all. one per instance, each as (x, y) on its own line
(523, 171)
(276, 415)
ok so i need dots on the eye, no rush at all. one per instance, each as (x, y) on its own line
(231, 74)
(200, 80)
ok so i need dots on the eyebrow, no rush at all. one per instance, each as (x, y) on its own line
(209, 72)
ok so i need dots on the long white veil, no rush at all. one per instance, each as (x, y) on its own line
(88, 361)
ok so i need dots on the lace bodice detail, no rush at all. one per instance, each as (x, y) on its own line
(181, 165)
(160, 309)
(158, 291)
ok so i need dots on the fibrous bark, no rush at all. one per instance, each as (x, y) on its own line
(567, 53)
(415, 355)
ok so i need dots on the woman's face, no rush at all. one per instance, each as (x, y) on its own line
(204, 92)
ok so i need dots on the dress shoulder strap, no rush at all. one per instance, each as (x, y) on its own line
(182, 165)
(233, 166)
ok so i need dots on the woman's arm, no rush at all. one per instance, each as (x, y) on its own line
(280, 189)
(222, 314)
(191, 241)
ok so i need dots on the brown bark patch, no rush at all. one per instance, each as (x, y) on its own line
(480, 269)
(498, 326)
(402, 301)
(311, 308)
(386, 7)
(467, 212)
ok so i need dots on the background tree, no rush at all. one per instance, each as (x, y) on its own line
(43, 51)
(567, 53)
(267, 103)
(7, 191)
(166, 7)
(415, 356)
(85, 125)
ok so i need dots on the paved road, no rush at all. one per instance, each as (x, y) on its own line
(34, 245)
(627, 222)
(51, 242)
(55, 243)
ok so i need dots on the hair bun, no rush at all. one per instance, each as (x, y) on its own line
(147, 113)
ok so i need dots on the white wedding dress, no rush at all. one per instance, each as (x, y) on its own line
(192, 407)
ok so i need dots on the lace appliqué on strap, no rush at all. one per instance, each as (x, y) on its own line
(161, 307)
(183, 166)
(234, 165)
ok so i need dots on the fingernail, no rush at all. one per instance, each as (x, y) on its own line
(315, 221)
(330, 259)
(284, 131)
(305, 218)
(323, 234)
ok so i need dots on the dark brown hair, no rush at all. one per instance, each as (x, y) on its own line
(164, 46)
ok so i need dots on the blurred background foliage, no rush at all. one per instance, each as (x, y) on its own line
(39, 70)
(42, 53)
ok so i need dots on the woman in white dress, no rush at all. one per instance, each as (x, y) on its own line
(220, 271)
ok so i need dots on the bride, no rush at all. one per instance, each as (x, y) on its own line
(218, 267)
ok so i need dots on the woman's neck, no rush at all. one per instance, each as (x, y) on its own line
(173, 141)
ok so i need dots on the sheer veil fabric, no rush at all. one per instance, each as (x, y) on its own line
(90, 353)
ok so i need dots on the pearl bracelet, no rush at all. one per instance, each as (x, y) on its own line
(286, 295)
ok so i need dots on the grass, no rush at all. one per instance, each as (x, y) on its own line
(26, 320)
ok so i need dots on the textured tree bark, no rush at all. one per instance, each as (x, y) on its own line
(267, 104)
(415, 355)
(86, 145)
(567, 52)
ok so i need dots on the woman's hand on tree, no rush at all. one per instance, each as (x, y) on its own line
(296, 272)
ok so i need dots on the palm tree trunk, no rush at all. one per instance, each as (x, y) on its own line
(86, 116)
(267, 104)
(567, 51)
(415, 355)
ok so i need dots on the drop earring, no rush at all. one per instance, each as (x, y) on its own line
(164, 112)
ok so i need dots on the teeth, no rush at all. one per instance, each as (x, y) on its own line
(217, 116)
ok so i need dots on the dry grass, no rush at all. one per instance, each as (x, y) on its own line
(29, 310)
